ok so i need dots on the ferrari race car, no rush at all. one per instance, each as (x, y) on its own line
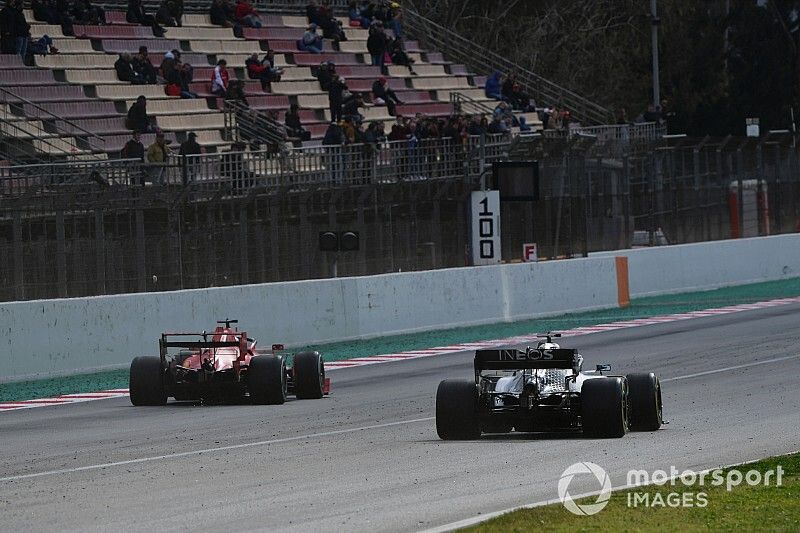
(545, 389)
(224, 365)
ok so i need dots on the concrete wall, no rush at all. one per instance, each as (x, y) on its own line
(701, 266)
(62, 336)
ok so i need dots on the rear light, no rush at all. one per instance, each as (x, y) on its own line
(277, 347)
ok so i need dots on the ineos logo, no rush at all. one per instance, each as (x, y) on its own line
(533, 355)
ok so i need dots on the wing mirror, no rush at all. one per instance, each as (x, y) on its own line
(603, 368)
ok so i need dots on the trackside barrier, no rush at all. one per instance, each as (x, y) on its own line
(62, 336)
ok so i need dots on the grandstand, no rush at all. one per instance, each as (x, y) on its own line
(72, 106)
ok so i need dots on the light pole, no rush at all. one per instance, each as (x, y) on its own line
(655, 21)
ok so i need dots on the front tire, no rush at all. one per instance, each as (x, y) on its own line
(644, 397)
(146, 381)
(604, 407)
(309, 376)
(266, 380)
(457, 410)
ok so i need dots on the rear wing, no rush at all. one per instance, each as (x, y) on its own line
(513, 359)
(238, 341)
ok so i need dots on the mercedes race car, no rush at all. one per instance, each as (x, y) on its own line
(224, 365)
(545, 389)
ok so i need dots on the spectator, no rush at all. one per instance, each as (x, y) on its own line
(186, 75)
(384, 95)
(236, 92)
(83, 12)
(312, 12)
(335, 97)
(46, 11)
(246, 15)
(497, 125)
(355, 15)
(143, 66)
(400, 129)
(329, 24)
(396, 23)
(219, 79)
(653, 114)
(157, 154)
(42, 46)
(399, 55)
(334, 136)
(494, 86)
(168, 65)
(294, 126)
(311, 41)
(125, 71)
(137, 15)
(190, 145)
(133, 149)
(376, 45)
(138, 119)
(325, 74)
(165, 15)
(263, 70)
(222, 14)
(351, 104)
(234, 167)
(519, 100)
(14, 29)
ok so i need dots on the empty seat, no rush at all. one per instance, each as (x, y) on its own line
(210, 138)
(435, 84)
(112, 32)
(297, 74)
(357, 47)
(67, 45)
(117, 17)
(436, 58)
(226, 47)
(97, 126)
(70, 110)
(358, 71)
(295, 87)
(207, 121)
(294, 22)
(414, 97)
(313, 101)
(58, 146)
(283, 47)
(26, 76)
(271, 101)
(262, 34)
(238, 60)
(176, 107)
(479, 81)
(64, 61)
(11, 61)
(459, 70)
(23, 129)
(310, 60)
(213, 33)
(92, 76)
(365, 84)
(131, 92)
(473, 94)
(197, 20)
(432, 109)
(412, 46)
(154, 46)
(428, 71)
(45, 93)
(52, 31)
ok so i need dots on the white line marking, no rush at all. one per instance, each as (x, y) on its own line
(212, 450)
(729, 368)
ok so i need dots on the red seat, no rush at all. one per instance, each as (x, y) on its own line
(112, 32)
(310, 60)
(262, 34)
(359, 71)
(11, 61)
(26, 76)
(46, 93)
(116, 17)
(98, 126)
(270, 101)
(432, 109)
(118, 46)
(70, 110)
(414, 97)
(317, 130)
(283, 47)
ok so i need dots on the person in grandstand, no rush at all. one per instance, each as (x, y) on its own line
(311, 41)
(246, 15)
(157, 154)
(220, 79)
(335, 97)
(222, 14)
(15, 32)
(294, 127)
(138, 119)
(384, 95)
(144, 67)
(133, 149)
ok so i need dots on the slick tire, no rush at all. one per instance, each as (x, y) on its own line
(457, 410)
(309, 375)
(266, 380)
(644, 399)
(146, 383)
(604, 407)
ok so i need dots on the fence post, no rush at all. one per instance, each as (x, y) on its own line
(141, 263)
(19, 261)
(100, 251)
(61, 255)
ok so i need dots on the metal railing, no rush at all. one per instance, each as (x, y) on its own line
(460, 48)
(244, 124)
(463, 103)
(35, 179)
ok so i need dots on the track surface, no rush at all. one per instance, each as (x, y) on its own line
(367, 458)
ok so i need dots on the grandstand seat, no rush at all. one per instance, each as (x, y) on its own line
(98, 126)
(58, 145)
(11, 61)
(210, 138)
(354, 47)
(131, 92)
(117, 18)
(479, 81)
(206, 121)
(313, 101)
(297, 74)
(267, 34)
(23, 129)
(312, 60)
(197, 20)
(195, 33)
(458, 69)
(294, 21)
(64, 61)
(92, 76)
(270, 101)
(192, 106)
(283, 47)
(112, 32)
(154, 46)
(431, 109)
(26, 76)
(74, 46)
(52, 31)
(295, 87)
(474, 94)
(436, 58)
(225, 47)
(44, 93)
(412, 47)
(431, 84)
(358, 71)
(365, 85)
(70, 110)
(414, 97)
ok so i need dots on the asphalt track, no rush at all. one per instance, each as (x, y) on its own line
(368, 459)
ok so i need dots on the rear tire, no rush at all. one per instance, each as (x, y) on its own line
(457, 410)
(604, 407)
(146, 382)
(309, 375)
(266, 380)
(644, 397)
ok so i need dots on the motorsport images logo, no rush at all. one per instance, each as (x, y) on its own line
(692, 483)
(586, 509)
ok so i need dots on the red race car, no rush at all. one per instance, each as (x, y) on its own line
(224, 365)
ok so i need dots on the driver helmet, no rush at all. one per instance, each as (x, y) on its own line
(544, 345)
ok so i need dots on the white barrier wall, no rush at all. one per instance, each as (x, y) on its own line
(52, 337)
(701, 266)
